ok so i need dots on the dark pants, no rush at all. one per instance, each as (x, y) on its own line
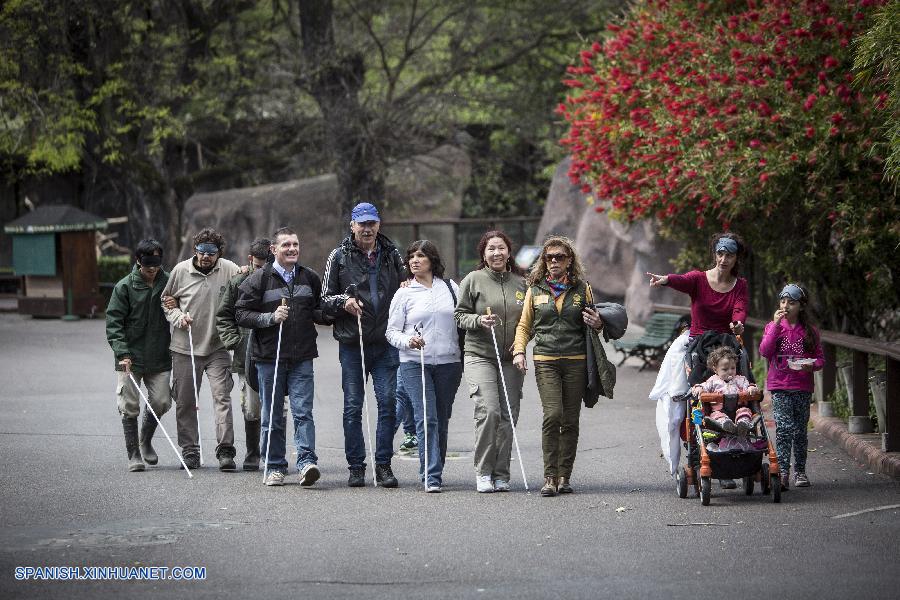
(561, 386)
(791, 412)
(381, 363)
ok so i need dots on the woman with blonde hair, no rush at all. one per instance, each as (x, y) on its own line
(555, 312)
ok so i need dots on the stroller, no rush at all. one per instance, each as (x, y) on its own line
(755, 460)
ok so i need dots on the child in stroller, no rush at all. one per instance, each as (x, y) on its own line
(723, 407)
(725, 380)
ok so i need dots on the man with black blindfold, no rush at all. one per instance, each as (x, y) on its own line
(138, 333)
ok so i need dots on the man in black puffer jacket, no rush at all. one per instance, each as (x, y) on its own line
(284, 296)
(361, 277)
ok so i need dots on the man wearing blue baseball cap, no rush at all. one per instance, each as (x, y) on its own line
(361, 277)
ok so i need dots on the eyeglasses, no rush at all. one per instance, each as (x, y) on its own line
(201, 253)
(555, 257)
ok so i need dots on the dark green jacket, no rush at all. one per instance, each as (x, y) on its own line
(558, 333)
(136, 326)
(234, 337)
(505, 294)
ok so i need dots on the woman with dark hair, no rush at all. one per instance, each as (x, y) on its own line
(421, 318)
(719, 298)
(491, 298)
(554, 312)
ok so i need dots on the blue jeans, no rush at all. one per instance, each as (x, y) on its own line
(441, 383)
(381, 364)
(297, 377)
(405, 414)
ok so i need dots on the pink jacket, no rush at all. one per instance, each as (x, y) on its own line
(782, 342)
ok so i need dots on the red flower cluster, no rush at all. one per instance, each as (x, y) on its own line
(695, 109)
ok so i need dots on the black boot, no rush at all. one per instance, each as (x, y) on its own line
(225, 455)
(384, 476)
(148, 428)
(251, 461)
(129, 424)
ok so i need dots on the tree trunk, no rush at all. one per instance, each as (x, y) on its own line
(334, 81)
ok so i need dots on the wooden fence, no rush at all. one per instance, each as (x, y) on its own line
(861, 348)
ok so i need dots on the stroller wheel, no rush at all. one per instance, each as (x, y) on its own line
(764, 481)
(748, 485)
(705, 490)
(776, 488)
(681, 484)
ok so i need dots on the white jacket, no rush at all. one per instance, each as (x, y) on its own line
(432, 309)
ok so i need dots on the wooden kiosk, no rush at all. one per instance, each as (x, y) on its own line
(55, 252)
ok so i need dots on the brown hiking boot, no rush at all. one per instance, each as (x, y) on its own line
(564, 487)
(549, 488)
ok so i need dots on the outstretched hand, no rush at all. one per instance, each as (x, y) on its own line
(658, 280)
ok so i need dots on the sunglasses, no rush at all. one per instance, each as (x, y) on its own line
(555, 257)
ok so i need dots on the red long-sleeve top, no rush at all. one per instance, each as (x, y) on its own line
(712, 310)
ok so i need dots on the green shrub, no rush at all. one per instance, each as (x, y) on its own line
(113, 268)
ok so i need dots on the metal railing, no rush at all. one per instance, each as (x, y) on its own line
(861, 349)
(456, 238)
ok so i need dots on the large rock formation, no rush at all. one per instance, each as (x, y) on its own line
(615, 255)
(423, 187)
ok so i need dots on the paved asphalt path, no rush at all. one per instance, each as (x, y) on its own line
(66, 499)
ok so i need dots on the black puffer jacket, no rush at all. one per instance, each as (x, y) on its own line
(261, 293)
(348, 265)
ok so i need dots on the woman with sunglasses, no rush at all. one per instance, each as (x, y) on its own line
(421, 318)
(554, 313)
(719, 299)
(490, 300)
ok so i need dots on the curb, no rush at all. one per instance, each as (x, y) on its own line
(857, 446)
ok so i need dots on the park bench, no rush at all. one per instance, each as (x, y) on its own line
(659, 332)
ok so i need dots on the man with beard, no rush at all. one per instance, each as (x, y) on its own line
(197, 284)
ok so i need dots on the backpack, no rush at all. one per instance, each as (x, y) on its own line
(461, 333)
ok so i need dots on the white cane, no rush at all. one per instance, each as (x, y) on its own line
(362, 364)
(512, 420)
(424, 404)
(196, 393)
(158, 422)
(272, 400)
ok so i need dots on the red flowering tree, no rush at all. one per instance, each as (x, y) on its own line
(742, 114)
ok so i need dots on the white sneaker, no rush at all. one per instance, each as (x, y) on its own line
(309, 475)
(275, 478)
(501, 485)
(433, 489)
(484, 484)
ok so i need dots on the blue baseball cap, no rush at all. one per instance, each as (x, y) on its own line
(363, 212)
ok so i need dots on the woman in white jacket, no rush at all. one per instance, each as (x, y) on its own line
(421, 318)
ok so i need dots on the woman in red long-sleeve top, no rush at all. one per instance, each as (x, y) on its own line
(719, 298)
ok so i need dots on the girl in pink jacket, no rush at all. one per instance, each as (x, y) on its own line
(793, 350)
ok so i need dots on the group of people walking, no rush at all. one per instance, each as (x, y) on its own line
(397, 319)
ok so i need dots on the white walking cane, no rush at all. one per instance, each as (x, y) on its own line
(362, 364)
(272, 400)
(196, 394)
(512, 420)
(424, 403)
(158, 422)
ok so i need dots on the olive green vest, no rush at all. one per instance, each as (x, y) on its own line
(558, 333)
